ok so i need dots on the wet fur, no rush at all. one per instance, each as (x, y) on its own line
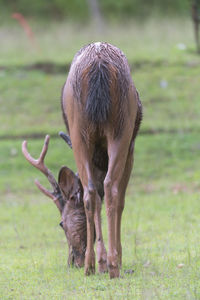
(100, 69)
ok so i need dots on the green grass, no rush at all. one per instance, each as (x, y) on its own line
(160, 227)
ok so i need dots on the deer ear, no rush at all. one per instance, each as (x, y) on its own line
(67, 181)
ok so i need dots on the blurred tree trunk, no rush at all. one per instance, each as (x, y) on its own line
(96, 14)
(196, 20)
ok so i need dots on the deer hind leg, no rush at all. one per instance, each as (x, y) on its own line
(114, 199)
(84, 165)
(120, 205)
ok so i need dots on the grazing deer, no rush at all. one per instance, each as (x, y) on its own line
(102, 113)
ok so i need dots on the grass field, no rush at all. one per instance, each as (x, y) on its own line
(160, 227)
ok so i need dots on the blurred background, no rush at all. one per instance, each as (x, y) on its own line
(38, 40)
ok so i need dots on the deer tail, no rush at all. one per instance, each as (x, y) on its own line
(98, 98)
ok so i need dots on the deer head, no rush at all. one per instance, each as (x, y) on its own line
(67, 194)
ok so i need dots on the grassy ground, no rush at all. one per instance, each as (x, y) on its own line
(160, 228)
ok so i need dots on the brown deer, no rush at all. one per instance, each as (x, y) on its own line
(102, 113)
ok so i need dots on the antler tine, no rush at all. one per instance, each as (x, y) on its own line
(37, 163)
(49, 194)
(44, 149)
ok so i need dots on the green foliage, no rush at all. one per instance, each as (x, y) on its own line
(78, 9)
(138, 8)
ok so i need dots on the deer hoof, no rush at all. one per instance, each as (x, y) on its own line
(89, 264)
(114, 272)
(103, 267)
(89, 270)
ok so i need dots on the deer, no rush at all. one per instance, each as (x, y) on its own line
(102, 112)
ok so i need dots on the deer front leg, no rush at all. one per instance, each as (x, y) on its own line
(83, 161)
(89, 204)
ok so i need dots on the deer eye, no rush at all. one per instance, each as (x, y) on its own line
(61, 224)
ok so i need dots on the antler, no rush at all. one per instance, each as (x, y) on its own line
(56, 195)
